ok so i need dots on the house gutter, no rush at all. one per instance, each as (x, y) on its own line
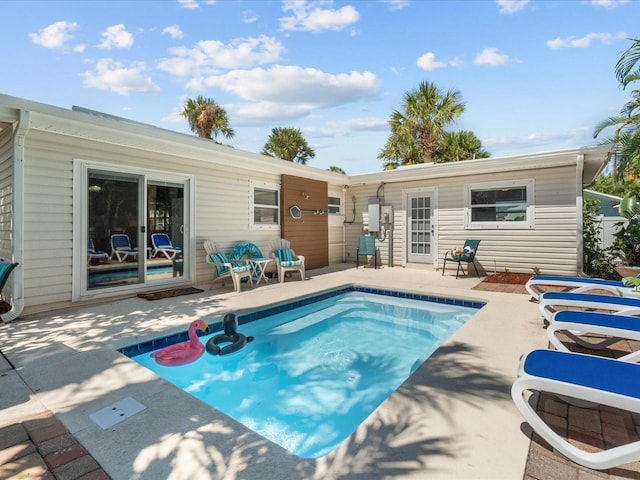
(580, 215)
(17, 228)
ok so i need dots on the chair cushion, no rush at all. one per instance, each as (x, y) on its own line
(241, 268)
(291, 263)
(284, 255)
(219, 258)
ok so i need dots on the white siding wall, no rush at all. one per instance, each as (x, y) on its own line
(551, 246)
(221, 210)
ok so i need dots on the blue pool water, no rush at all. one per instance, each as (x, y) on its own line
(126, 273)
(316, 371)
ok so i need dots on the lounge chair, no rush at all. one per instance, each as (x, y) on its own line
(550, 302)
(582, 380)
(286, 259)
(366, 247)
(466, 255)
(162, 244)
(94, 254)
(535, 285)
(5, 271)
(227, 268)
(594, 330)
(121, 247)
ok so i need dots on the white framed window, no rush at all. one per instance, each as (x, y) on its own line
(265, 205)
(500, 205)
(335, 204)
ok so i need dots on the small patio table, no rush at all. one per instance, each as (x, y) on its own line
(258, 267)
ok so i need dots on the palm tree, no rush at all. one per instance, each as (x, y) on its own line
(416, 130)
(626, 125)
(207, 118)
(335, 169)
(288, 144)
(624, 68)
(457, 146)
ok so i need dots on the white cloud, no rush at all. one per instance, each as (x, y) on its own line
(537, 140)
(209, 55)
(288, 92)
(586, 41)
(56, 35)
(249, 16)
(189, 4)
(296, 85)
(397, 4)
(111, 75)
(428, 62)
(308, 16)
(608, 3)
(116, 36)
(173, 31)
(510, 6)
(491, 57)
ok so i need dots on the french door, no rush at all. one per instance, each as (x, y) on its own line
(420, 208)
(122, 209)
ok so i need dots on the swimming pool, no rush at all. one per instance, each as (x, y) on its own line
(319, 366)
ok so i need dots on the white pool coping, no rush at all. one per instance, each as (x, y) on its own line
(452, 419)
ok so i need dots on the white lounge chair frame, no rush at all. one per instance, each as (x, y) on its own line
(573, 284)
(122, 251)
(550, 302)
(607, 370)
(594, 330)
(210, 247)
(282, 244)
(94, 254)
(167, 249)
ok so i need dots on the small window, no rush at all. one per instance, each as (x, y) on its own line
(500, 205)
(334, 205)
(265, 205)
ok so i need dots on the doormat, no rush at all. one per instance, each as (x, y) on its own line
(169, 293)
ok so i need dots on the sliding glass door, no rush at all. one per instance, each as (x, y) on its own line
(123, 212)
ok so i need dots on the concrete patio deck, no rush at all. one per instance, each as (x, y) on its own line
(452, 419)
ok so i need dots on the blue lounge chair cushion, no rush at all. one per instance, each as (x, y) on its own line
(585, 280)
(591, 371)
(590, 298)
(285, 257)
(622, 322)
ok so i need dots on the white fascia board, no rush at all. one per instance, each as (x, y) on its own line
(149, 138)
(558, 158)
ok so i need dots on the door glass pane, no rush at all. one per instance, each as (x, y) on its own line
(113, 213)
(165, 225)
(420, 225)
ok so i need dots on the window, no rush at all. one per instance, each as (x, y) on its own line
(266, 205)
(500, 205)
(334, 205)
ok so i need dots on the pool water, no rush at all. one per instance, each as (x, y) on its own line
(315, 372)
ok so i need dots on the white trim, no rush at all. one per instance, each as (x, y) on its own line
(528, 224)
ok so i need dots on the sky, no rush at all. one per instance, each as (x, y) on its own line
(534, 75)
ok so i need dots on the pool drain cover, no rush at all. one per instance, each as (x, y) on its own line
(114, 414)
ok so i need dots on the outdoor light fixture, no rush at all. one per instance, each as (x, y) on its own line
(95, 188)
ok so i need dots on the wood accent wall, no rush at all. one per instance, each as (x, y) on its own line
(309, 235)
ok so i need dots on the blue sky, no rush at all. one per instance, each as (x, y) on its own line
(534, 75)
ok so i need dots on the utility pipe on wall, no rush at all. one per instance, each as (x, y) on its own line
(17, 226)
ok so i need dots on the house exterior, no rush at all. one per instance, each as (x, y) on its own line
(70, 177)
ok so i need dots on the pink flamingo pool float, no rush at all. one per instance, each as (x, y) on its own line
(184, 352)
